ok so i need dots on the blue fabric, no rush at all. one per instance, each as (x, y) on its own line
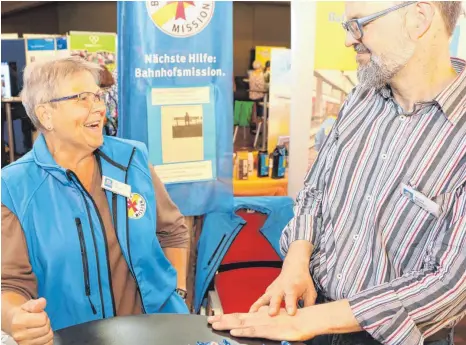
(220, 229)
(66, 240)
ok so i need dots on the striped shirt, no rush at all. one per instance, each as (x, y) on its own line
(399, 261)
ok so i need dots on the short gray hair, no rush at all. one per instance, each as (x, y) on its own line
(42, 80)
(450, 11)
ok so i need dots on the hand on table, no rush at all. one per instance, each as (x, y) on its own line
(293, 283)
(31, 325)
(261, 325)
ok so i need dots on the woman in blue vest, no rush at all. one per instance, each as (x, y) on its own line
(88, 207)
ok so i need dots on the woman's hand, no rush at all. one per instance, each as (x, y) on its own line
(30, 324)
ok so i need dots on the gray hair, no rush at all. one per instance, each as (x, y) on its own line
(450, 11)
(42, 80)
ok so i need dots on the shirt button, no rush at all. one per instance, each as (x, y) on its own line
(402, 118)
(355, 237)
(384, 156)
(339, 276)
(368, 198)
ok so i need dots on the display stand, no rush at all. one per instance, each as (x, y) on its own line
(9, 120)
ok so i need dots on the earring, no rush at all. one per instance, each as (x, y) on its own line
(49, 127)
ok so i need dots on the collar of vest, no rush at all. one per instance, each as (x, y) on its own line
(116, 152)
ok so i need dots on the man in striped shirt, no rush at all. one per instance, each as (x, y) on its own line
(381, 220)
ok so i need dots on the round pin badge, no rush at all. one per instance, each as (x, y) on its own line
(136, 206)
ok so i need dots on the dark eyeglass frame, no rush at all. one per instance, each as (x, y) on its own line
(97, 97)
(361, 22)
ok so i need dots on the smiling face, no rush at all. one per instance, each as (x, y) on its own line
(385, 48)
(78, 122)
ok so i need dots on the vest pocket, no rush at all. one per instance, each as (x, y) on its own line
(82, 243)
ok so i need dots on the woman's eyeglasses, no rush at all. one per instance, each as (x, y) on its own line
(84, 97)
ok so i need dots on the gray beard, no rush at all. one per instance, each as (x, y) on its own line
(376, 74)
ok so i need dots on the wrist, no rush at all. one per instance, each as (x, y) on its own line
(331, 318)
(182, 292)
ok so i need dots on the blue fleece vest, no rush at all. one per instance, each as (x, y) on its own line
(66, 239)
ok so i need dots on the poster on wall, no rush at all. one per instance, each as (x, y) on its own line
(175, 76)
(61, 44)
(280, 96)
(263, 54)
(39, 49)
(98, 47)
(185, 150)
(458, 40)
(330, 50)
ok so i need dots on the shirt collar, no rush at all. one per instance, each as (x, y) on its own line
(452, 98)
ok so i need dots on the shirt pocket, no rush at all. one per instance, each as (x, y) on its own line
(444, 199)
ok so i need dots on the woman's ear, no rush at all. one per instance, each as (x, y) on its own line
(44, 116)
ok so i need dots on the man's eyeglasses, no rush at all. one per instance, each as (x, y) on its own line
(354, 26)
(84, 97)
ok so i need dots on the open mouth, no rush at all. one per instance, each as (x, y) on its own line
(93, 125)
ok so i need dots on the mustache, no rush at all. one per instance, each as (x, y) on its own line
(360, 48)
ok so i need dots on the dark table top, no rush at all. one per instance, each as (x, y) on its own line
(164, 329)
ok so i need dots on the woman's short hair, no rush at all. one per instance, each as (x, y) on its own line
(42, 80)
(256, 65)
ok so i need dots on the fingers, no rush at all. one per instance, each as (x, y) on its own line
(46, 339)
(34, 305)
(262, 301)
(39, 335)
(309, 297)
(275, 303)
(30, 320)
(230, 321)
(291, 300)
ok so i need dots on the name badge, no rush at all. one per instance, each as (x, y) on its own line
(421, 200)
(116, 187)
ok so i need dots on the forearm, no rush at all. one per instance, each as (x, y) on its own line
(11, 301)
(178, 257)
(299, 254)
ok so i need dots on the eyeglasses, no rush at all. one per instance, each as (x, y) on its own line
(84, 97)
(354, 26)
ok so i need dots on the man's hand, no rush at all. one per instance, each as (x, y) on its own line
(30, 324)
(262, 325)
(330, 318)
(294, 283)
(291, 285)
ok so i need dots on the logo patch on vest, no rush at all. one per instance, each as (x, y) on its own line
(136, 206)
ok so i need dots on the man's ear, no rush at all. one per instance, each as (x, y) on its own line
(424, 12)
(44, 115)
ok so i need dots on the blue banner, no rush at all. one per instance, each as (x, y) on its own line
(38, 44)
(175, 74)
(62, 43)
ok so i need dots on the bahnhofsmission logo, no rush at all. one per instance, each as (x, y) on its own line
(180, 18)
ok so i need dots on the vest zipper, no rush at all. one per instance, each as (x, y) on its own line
(84, 193)
(87, 285)
(115, 225)
(131, 269)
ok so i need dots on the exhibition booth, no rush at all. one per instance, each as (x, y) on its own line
(231, 163)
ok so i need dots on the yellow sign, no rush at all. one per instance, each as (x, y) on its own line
(330, 50)
(263, 54)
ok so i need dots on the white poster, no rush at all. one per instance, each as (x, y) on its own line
(280, 96)
(39, 49)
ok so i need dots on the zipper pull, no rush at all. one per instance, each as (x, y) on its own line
(94, 311)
